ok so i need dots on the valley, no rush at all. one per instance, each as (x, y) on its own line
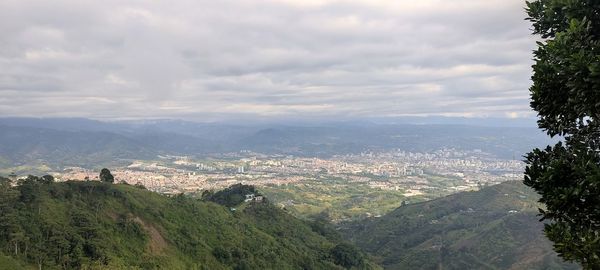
(496, 227)
(343, 187)
(403, 201)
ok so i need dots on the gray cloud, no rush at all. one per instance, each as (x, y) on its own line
(207, 60)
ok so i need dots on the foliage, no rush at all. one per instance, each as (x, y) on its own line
(347, 255)
(565, 93)
(106, 176)
(494, 228)
(8, 263)
(96, 225)
(231, 196)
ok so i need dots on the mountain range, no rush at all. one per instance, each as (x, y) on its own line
(85, 142)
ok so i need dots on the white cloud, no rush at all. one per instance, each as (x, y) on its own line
(198, 59)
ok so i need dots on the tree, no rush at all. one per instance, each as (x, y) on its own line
(29, 189)
(47, 179)
(8, 214)
(231, 196)
(106, 176)
(566, 95)
(347, 255)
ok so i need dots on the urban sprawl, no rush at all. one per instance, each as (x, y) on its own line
(442, 171)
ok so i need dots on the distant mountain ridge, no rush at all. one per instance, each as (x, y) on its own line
(83, 141)
(23, 144)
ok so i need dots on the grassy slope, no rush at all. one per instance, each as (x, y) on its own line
(338, 199)
(120, 226)
(471, 230)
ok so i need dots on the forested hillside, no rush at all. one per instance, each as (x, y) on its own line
(494, 228)
(94, 225)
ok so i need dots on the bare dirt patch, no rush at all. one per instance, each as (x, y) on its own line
(157, 242)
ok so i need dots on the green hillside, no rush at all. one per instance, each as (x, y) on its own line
(93, 225)
(494, 228)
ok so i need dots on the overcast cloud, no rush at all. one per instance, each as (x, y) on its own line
(210, 60)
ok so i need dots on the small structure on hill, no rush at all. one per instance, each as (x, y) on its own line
(254, 198)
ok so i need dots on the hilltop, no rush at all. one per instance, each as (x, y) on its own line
(493, 228)
(94, 225)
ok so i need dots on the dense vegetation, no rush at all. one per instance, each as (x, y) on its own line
(98, 225)
(566, 95)
(231, 196)
(494, 228)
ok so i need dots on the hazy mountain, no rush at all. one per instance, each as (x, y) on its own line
(22, 144)
(494, 228)
(74, 141)
(354, 138)
(441, 120)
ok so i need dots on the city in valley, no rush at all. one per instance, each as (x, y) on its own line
(380, 180)
(411, 173)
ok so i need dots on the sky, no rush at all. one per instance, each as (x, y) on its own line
(213, 60)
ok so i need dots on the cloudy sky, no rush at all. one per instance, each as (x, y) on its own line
(211, 60)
